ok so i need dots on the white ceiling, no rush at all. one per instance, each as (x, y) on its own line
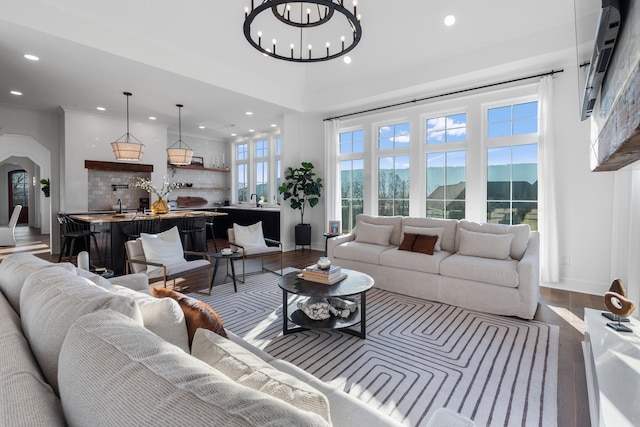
(193, 52)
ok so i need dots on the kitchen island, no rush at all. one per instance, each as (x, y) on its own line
(111, 236)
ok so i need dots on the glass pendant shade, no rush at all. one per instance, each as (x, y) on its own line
(124, 148)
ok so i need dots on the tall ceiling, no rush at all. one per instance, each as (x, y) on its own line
(193, 52)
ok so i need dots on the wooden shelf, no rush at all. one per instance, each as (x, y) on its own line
(202, 188)
(200, 168)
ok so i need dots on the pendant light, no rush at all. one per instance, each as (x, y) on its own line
(124, 148)
(179, 156)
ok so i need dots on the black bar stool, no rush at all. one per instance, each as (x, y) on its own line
(71, 232)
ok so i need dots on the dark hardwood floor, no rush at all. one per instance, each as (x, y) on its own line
(562, 308)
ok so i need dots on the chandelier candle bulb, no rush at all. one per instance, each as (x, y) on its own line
(328, 44)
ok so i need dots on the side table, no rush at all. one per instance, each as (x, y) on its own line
(327, 236)
(229, 258)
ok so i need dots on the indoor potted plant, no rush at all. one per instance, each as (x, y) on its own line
(300, 187)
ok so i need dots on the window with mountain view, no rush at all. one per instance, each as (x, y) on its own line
(242, 177)
(262, 169)
(446, 170)
(512, 168)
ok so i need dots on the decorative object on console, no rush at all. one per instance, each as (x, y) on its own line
(618, 304)
(197, 161)
(127, 149)
(310, 20)
(300, 187)
(160, 206)
(179, 156)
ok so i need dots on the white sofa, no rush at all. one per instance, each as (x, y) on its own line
(492, 268)
(76, 349)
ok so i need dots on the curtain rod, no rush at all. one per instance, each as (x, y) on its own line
(455, 92)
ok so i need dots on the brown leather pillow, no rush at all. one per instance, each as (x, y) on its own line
(197, 314)
(407, 242)
(424, 244)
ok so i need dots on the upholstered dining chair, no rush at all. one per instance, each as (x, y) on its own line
(7, 232)
(251, 243)
(162, 258)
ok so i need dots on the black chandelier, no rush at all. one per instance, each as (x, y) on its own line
(302, 39)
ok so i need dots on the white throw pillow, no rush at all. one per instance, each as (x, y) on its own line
(162, 316)
(51, 300)
(164, 248)
(485, 245)
(425, 231)
(249, 236)
(247, 369)
(114, 372)
(374, 234)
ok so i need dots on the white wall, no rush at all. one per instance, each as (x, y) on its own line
(303, 141)
(89, 137)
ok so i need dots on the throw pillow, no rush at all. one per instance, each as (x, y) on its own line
(426, 231)
(162, 316)
(247, 369)
(374, 234)
(484, 245)
(114, 372)
(407, 242)
(249, 236)
(164, 248)
(51, 300)
(424, 244)
(197, 314)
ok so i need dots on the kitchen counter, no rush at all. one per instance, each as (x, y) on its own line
(111, 237)
(99, 218)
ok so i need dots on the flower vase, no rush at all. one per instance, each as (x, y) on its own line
(160, 206)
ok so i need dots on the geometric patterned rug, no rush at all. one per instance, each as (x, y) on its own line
(418, 355)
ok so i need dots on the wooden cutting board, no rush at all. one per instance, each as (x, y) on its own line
(191, 202)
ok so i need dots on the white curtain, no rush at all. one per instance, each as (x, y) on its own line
(332, 171)
(547, 207)
(625, 227)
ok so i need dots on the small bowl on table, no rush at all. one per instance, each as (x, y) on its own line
(226, 251)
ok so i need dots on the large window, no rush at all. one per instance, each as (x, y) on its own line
(446, 170)
(242, 175)
(393, 185)
(257, 169)
(351, 177)
(352, 191)
(512, 164)
(394, 136)
(262, 170)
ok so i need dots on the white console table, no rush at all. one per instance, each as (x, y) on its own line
(612, 365)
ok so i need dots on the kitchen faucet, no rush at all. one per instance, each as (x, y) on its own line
(119, 206)
(251, 197)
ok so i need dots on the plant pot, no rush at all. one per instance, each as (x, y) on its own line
(303, 235)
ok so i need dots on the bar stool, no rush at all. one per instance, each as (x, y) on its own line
(140, 225)
(190, 227)
(71, 232)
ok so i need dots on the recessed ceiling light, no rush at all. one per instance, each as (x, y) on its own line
(100, 108)
(249, 113)
(449, 20)
(347, 60)
(201, 127)
(251, 130)
(31, 57)
(273, 125)
(151, 118)
(15, 92)
(234, 134)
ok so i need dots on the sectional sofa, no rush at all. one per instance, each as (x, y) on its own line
(493, 268)
(80, 350)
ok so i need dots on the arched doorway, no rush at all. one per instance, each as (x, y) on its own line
(18, 181)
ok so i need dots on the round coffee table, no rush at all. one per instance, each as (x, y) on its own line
(355, 283)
